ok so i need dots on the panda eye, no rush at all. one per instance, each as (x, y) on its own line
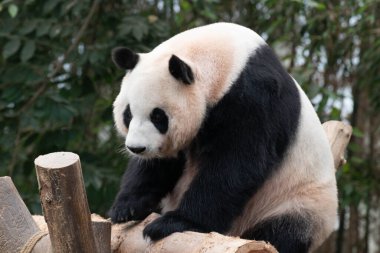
(127, 116)
(159, 119)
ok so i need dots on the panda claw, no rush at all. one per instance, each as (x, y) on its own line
(119, 214)
(170, 223)
(132, 208)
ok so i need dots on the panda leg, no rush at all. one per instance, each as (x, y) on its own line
(287, 233)
(143, 186)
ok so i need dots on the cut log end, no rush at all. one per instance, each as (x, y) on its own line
(338, 134)
(56, 160)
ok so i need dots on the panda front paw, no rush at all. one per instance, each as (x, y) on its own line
(119, 213)
(132, 208)
(169, 223)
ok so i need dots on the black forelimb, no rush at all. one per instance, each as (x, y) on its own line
(144, 184)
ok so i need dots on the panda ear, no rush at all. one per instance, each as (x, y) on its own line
(180, 70)
(124, 58)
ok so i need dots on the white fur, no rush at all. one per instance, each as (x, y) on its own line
(305, 181)
(216, 53)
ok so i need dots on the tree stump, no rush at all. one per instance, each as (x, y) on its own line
(64, 202)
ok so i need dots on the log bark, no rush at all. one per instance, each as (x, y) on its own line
(16, 223)
(102, 233)
(127, 237)
(64, 202)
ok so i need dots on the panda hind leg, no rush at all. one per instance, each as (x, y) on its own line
(287, 233)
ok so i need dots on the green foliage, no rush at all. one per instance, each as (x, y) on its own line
(57, 82)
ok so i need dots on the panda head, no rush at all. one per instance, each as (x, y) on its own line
(160, 107)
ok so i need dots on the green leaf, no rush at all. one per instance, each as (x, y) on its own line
(356, 160)
(354, 147)
(357, 133)
(96, 182)
(28, 27)
(43, 28)
(185, 6)
(10, 94)
(318, 6)
(13, 10)
(348, 189)
(11, 48)
(335, 113)
(28, 2)
(49, 5)
(22, 73)
(55, 31)
(346, 168)
(313, 91)
(138, 33)
(28, 50)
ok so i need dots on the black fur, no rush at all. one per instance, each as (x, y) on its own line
(290, 233)
(124, 58)
(160, 120)
(180, 70)
(144, 184)
(240, 145)
(168, 224)
(127, 116)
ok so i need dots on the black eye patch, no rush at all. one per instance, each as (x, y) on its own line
(160, 120)
(127, 116)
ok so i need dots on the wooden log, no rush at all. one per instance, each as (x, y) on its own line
(127, 237)
(339, 135)
(64, 202)
(18, 231)
(101, 227)
(16, 223)
(43, 245)
(102, 233)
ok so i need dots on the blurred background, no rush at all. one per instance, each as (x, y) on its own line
(57, 84)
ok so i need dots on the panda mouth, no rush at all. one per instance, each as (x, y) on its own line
(146, 154)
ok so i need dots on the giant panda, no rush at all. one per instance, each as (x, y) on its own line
(222, 139)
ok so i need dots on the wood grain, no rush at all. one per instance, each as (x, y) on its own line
(128, 238)
(64, 203)
(338, 134)
(16, 222)
(66, 210)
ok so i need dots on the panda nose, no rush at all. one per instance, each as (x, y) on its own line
(136, 150)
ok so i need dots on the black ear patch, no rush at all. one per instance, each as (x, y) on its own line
(124, 58)
(180, 70)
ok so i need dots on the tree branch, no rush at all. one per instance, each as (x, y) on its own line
(60, 62)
